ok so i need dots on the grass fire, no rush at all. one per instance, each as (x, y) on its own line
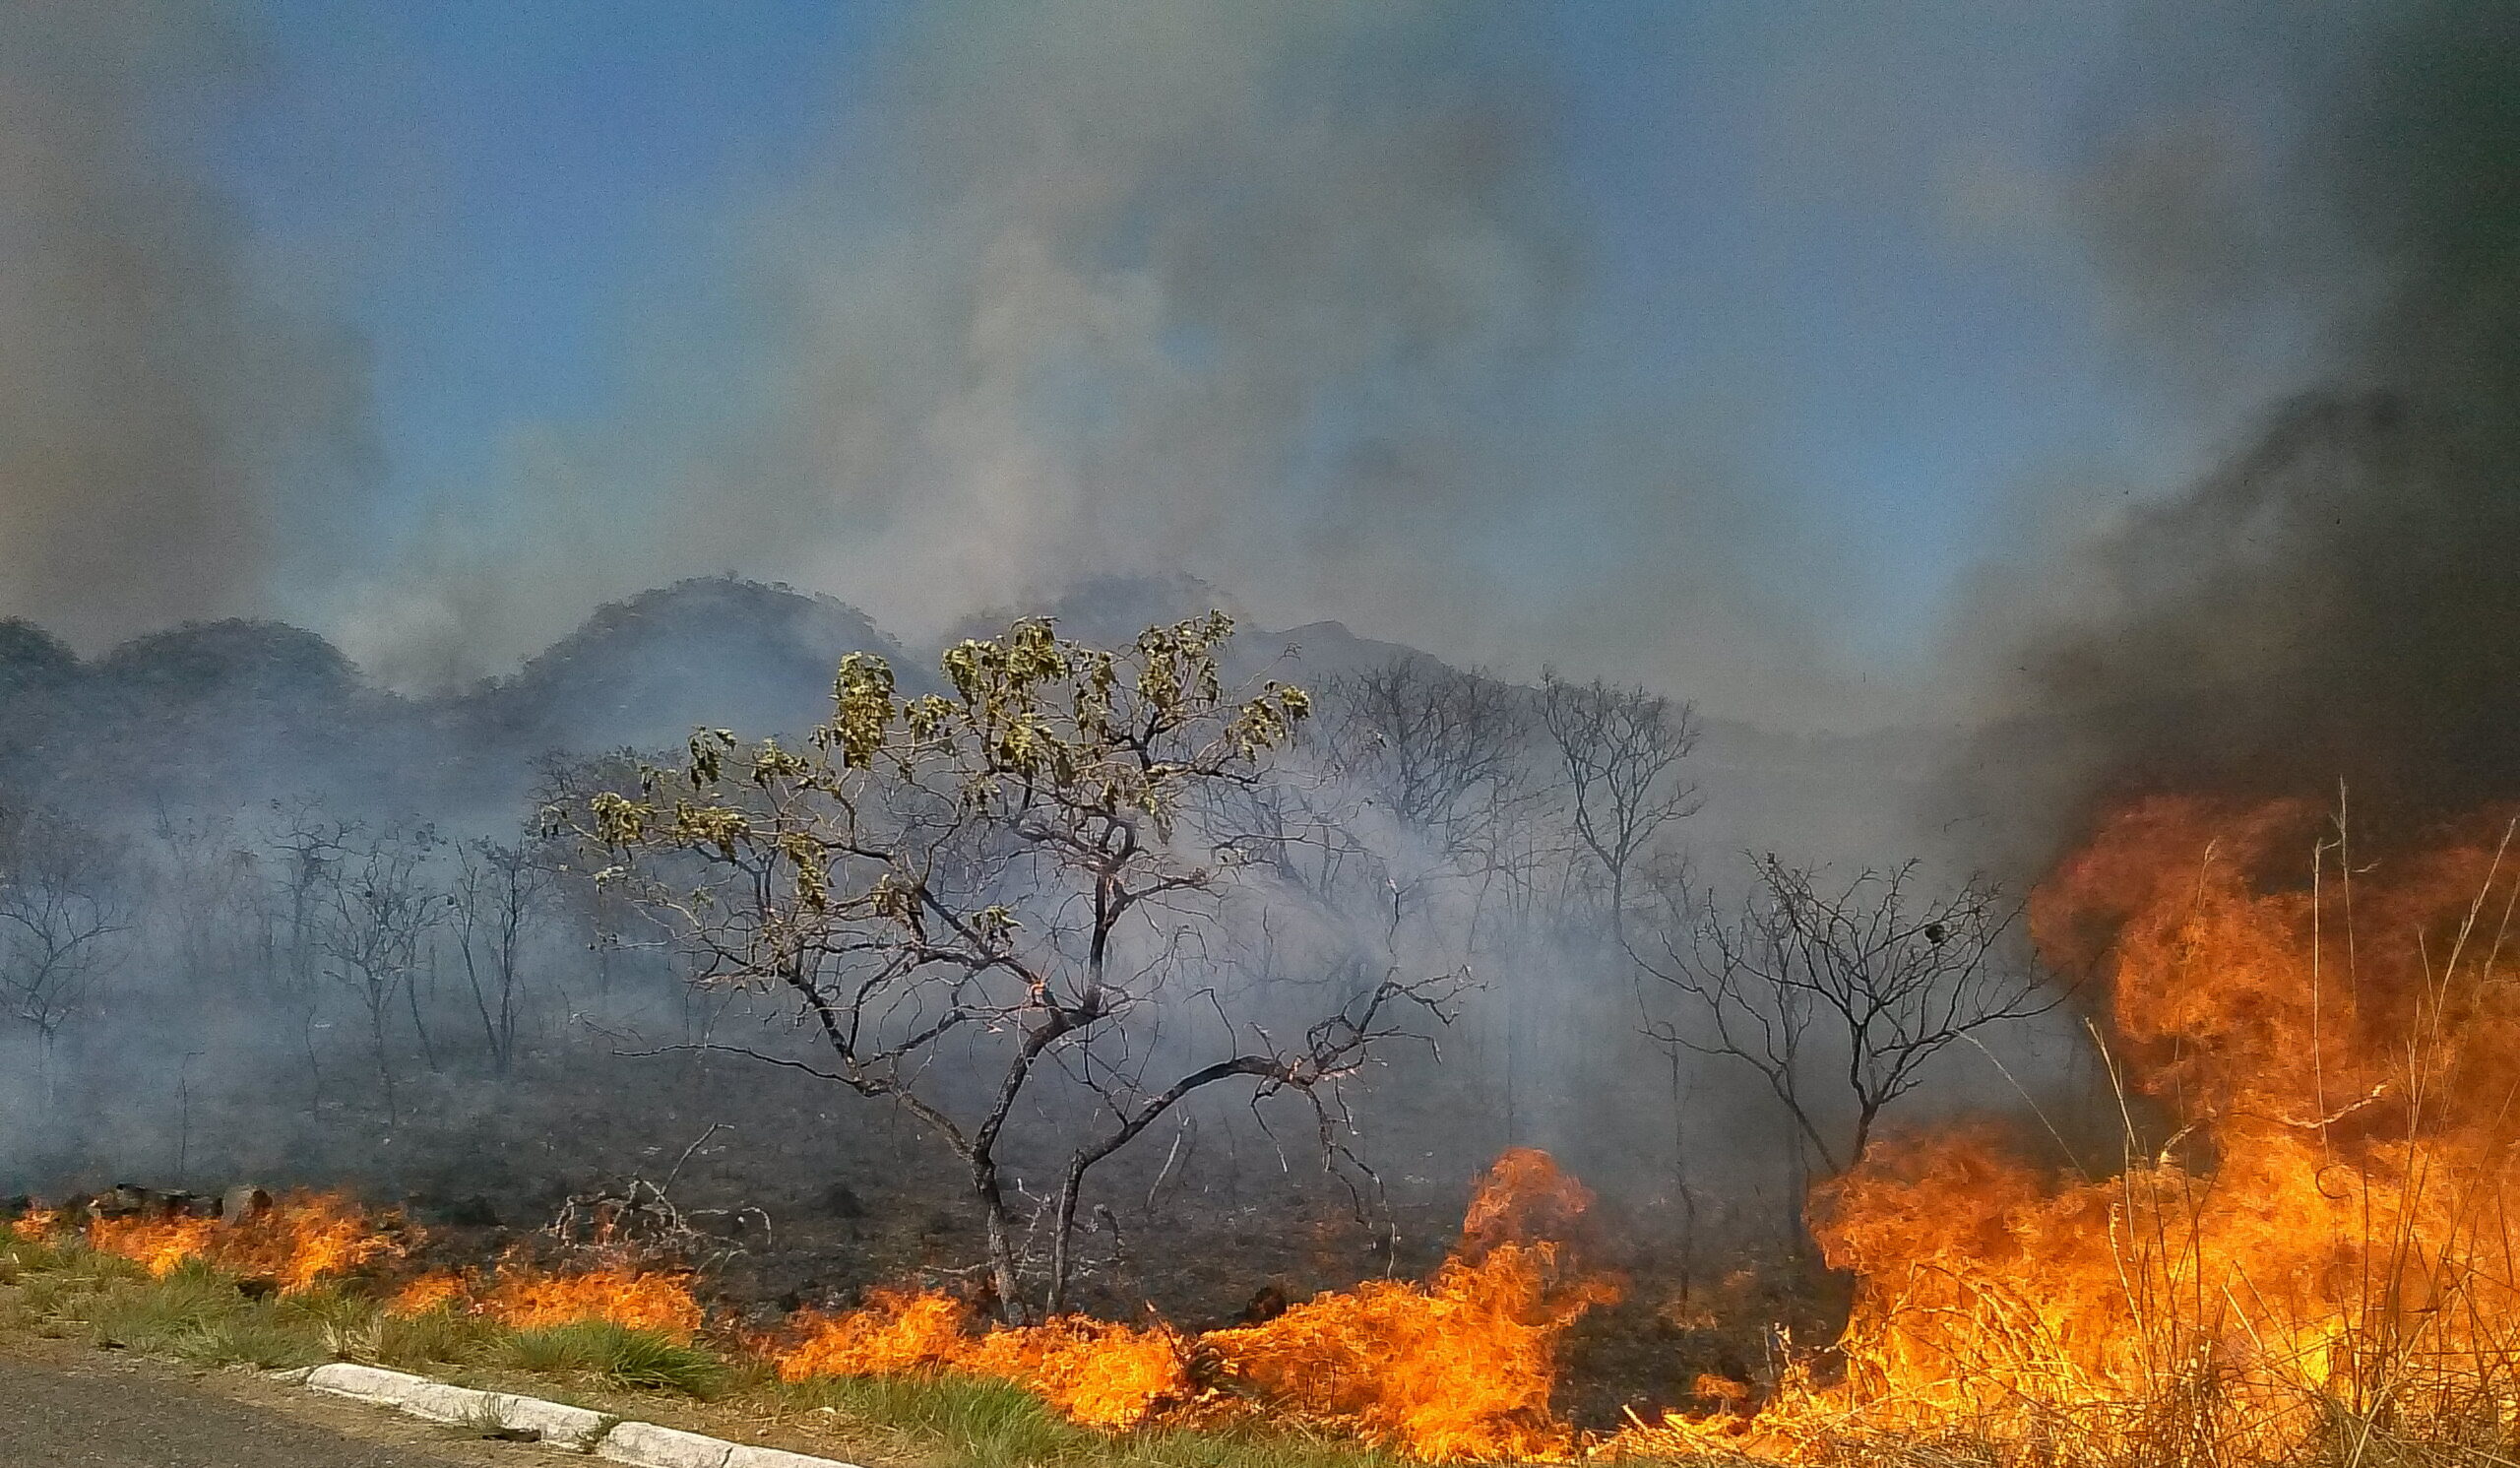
(1171, 733)
(2302, 1252)
(2288, 1242)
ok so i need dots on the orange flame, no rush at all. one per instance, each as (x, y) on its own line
(1461, 1367)
(301, 1239)
(624, 1294)
(307, 1236)
(2325, 1234)
(157, 1244)
(1457, 1369)
(1103, 1374)
(436, 1290)
(517, 1294)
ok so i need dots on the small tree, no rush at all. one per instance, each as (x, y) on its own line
(1443, 752)
(307, 845)
(1865, 981)
(499, 890)
(64, 901)
(1621, 748)
(1007, 867)
(378, 904)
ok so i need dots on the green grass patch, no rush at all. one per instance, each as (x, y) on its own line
(436, 1338)
(250, 1338)
(150, 1315)
(19, 1256)
(985, 1423)
(195, 1314)
(981, 1422)
(617, 1355)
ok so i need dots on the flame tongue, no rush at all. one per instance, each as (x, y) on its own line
(2334, 1241)
(1103, 1374)
(1457, 1369)
(304, 1237)
(624, 1294)
(1460, 1367)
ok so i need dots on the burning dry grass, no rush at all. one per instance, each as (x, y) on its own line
(1099, 1373)
(624, 1294)
(2319, 1265)
(307, 1241)
(622, 1291)
(296, 1242)
(57, 1285)
(1460, 1367)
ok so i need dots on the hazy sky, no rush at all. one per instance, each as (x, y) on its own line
(1726, 346)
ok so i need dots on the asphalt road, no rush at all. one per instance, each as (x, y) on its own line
(100, 1410)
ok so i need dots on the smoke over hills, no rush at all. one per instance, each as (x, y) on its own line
(1295, 301)
(1290, 297)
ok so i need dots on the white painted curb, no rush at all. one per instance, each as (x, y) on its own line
(651, 1446)
(641, 1445)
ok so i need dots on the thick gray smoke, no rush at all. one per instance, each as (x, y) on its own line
(1076, 287)
(1280, 295)
(156, 412)
(2342, 599)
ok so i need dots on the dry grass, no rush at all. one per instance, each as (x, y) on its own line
(199, 1315)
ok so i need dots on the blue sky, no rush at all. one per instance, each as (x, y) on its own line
(1820, 259)
(500, 183)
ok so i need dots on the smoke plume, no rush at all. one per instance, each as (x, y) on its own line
(2341, 599)
(1283, 297)
(156, 409)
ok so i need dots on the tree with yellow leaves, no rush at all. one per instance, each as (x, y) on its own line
(1019, 866)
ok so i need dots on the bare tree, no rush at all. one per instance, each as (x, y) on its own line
(377, 909)
(209, 889)
(499, 889)
(307, 843)
(1448, 752)
(1866, 979)
(64, 901)
(1620, 747)
(1443, 750)
(1007, 867)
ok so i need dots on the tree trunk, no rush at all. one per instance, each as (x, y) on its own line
(411, 998)
(384, 1067)
(1062, 1233)
(1002, 1240)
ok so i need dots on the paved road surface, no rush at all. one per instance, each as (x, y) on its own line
(100, 1410)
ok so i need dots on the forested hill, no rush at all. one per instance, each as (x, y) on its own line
(239, 713)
